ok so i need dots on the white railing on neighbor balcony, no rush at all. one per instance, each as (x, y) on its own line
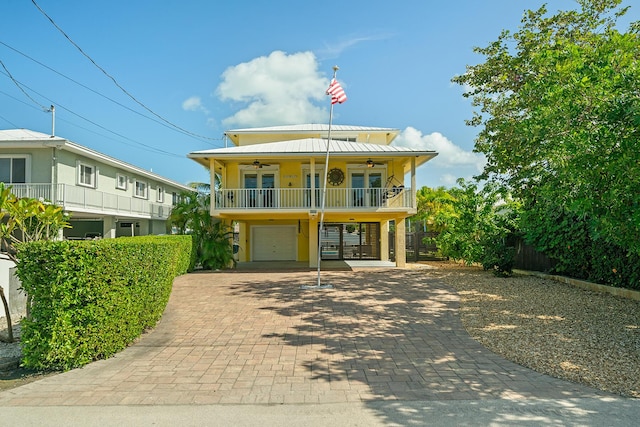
(72, 197)
(300, 198)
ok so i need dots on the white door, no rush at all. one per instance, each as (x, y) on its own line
(274, 243)
(366, 188)
(260, 189)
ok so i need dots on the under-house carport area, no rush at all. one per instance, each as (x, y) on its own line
(340, 241)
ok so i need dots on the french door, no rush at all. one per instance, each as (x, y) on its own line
(318, 189)
(260, 189)
(366, 187)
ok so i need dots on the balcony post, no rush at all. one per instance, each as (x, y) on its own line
(212, 185)
(312, 181)
(413, 182)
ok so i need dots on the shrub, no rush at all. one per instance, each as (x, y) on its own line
(212, 239)
(90, 299)
(498, 257)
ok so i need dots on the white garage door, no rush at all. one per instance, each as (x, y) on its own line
(274, 243)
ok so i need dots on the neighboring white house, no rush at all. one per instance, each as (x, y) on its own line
(106, 197)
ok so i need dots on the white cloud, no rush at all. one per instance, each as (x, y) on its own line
(282, 88)
(449, 154)
(334, 50)
(194, 103)
(277, 89)
(452, 161)
(449, 180)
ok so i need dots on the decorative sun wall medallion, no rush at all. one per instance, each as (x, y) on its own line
(335, 176)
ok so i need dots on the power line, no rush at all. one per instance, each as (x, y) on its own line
(164, 153)
(8, 73)
(18, 100)
(114, 80)
(146, 147)
(9, 121)
(98, 93)
(157, 150)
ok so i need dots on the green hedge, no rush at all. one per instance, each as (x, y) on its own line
(577, 249)
(90, 299)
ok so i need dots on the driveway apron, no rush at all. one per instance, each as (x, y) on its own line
(259, 337)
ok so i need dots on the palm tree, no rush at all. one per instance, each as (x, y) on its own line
(212, 239)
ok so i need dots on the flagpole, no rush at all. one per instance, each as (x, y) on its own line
(324, 186)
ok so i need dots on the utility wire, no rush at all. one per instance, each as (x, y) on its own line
(8, 73)
(98, 93)
(18, 100)
(114, 80)
(9, 121)
(157, 150)
(146, 147)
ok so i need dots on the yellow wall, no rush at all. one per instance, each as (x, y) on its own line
(370, 137)
(250, 139)
(291, 171)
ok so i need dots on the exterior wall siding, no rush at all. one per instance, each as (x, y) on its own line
(95, 210)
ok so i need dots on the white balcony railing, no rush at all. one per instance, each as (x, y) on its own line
(72, 197)
(301, 198)
(77, 198)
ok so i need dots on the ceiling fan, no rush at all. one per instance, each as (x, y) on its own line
(256, 164)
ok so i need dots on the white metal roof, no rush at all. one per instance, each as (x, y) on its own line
(310, 146)
(25, 138)
(26, 135)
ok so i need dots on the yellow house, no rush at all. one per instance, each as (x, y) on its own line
(270, 185)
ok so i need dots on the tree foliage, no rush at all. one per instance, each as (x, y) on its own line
(473, 224)
(212, 239)
(25, 220)
(434, 207)
(558, 107)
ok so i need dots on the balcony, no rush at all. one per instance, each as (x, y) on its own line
(371, 199)
(80, 199)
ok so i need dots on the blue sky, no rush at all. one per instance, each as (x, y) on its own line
(206, 66)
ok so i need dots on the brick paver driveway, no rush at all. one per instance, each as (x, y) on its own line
(257, 337)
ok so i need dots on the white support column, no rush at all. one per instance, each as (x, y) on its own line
(109, 227)
(212, 184)
(413, 183)
(312, 179)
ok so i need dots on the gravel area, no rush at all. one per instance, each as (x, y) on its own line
(548, 326)
(9, 350)
(551, 327)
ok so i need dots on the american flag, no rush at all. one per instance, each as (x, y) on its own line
(337, 93)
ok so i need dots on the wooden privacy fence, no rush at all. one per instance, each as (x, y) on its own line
(526, 256)
(416, 248)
